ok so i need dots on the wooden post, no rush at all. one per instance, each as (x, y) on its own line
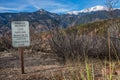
(22, 59)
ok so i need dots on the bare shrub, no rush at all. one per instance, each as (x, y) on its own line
(114, 30)
(5, 42)
(110, 5)
(71, 45)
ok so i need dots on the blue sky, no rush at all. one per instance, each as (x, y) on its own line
(55, 6)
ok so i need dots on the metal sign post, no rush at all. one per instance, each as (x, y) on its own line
(20, 38)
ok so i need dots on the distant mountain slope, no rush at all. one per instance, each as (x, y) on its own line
(99, 28)
(83, 18)
(41, 19)
(37, 19)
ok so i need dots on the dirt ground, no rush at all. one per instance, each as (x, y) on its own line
(39, 64)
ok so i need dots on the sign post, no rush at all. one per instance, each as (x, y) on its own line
(20, 38)
(22, 60)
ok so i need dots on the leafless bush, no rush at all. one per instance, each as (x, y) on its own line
(110, 5)
(39, 41)
(70, 45)
(114, 31)
(5, 42)
(67, 44)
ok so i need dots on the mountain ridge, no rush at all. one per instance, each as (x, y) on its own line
(91, 9)
(42, 19)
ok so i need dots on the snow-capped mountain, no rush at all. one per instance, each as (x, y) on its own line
(42, 19)
(95, 8)
(92, 9)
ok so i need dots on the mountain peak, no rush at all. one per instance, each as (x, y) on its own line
(92, 9)
(95, 8)
(42, 10)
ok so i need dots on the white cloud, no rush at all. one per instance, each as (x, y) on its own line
(62, 10)
(8, 9)
(45, 4)
(51, 5)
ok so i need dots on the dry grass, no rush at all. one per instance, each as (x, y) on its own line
(91, 69)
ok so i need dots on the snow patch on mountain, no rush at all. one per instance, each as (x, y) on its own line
(95, 8)
(92, 9)
(74, 12)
